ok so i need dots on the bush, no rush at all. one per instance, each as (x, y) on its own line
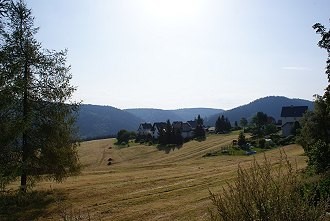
(266, 193)
(261, 143)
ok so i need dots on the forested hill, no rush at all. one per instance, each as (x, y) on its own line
(271, 105)
(97, 121)
(159, 115)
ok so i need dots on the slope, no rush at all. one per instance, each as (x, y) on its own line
(271, 105)
(146, 183)
(185, 114)
(101, 121)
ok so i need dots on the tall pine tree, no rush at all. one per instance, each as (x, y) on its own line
(36, 116)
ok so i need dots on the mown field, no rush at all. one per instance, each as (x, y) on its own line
(150, 183)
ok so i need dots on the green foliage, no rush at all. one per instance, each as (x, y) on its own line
(241, 139)
(262, 143)
(199, 132)
(199, 120)
(318, 156)
(264, 192)
(40, 137)
(222, 125)
(270, 129)
(259, 121)
(296, 129)
(170, 135)
(243, 122)
(315, 132)
(123, 136)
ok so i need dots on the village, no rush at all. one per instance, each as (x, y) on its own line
(290, 117)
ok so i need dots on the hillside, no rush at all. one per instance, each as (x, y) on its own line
(154, 115)
(101, 121)
(149, 183)
(271, 105)
(185, 114)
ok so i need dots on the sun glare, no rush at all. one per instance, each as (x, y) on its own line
(171, 10)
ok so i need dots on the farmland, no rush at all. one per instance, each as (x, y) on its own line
(150, 183)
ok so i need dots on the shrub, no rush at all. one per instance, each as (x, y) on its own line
(266, 193)
(241, 139)
(262, 143)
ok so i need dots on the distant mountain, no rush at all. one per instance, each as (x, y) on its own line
(100, 121)
(191, 113)
(158, 115)
(271, 105)
(154, 115)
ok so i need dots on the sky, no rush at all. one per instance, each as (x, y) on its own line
(172, 54)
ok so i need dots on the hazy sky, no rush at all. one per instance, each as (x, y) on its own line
(187, 53)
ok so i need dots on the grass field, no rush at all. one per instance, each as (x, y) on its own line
(146, 183)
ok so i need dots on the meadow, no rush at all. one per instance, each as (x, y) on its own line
(150, 183)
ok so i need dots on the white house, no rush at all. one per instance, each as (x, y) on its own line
(145, 129)
(290, 115)
(187, 131)
(185, 128)
(156, 128)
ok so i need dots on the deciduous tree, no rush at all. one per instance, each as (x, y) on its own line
(315, 132)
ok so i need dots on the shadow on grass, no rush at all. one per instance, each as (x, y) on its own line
(167, 148)
(25, 206)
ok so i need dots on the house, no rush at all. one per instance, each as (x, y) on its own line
(177, 125)
(193, 124)
(156, 128)
(144, 129)
(290, 115)
(187, 131)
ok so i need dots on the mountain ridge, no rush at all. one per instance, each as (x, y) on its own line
(271, 105)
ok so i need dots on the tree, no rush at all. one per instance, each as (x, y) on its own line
(199, 131)
(123, 136)
(315, 132)
(199, 120)
(37, 118)
(259, 121)
(236, 124)
(243, 122)
(241, 139)
(222, 125)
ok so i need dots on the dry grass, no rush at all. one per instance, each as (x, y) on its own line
(145, 183)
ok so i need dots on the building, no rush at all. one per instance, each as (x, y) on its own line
(290, 115)
(156, 128)
(144, 129)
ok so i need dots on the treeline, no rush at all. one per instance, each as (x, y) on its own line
(170, 135)
(222, 125)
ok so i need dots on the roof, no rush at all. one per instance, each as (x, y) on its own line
(177, 124)
(146, 126)
(159, 126)
(193, 123)
(186, 127)
(293, 111)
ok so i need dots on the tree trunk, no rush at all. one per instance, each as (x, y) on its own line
(25, 137)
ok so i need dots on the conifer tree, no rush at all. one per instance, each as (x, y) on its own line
(37, 118)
